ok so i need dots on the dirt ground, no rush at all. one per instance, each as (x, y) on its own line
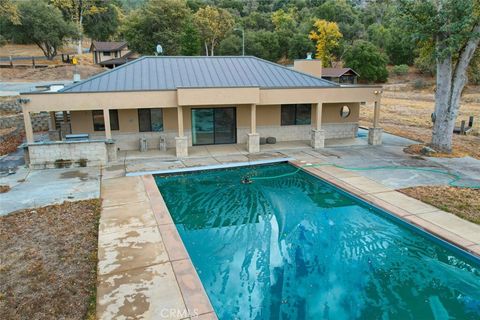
(9, 140)
(48, 260)
(55, 70)
(462, 202)
(34, 50)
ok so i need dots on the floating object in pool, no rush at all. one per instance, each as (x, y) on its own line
(246, 180)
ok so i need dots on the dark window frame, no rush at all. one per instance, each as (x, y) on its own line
(114, 123)
(150, 119)
(283, 121)
(214, 110)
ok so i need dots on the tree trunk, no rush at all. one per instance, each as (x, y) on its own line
(79, 46)
(450, 84)
(80, 28)
(206, 48)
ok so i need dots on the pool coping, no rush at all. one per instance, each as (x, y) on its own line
(415, 218)
(193, 293)
(210, 167)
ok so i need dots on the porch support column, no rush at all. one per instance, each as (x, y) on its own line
(106, 119)
(181, 142)
(375, 133)
(51, 121)
(318, 134)
(28, 125)
(253, 139)
(53, 133)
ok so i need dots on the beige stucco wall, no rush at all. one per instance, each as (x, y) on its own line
(310, 66)
(270, 115)
(331, 112)
(268, 124)
(82, 121)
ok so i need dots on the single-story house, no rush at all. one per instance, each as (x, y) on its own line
(340, 75)
(188, 101)
(107, 50)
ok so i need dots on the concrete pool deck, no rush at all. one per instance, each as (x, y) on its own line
(144, 271)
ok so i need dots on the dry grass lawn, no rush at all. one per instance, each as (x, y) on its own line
(462, 202)
(34, 50)
(411, 118)
(48, 260)
(54, 72)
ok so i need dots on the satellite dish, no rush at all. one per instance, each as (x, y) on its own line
(159, 49)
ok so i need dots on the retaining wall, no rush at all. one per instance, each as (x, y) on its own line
(70, 154)
(10, 105)
(39, 121)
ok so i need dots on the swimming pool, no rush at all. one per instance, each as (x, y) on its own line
(298, 248)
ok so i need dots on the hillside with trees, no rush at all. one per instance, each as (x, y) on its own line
(340, 32)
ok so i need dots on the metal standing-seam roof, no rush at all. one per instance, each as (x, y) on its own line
(169, 73)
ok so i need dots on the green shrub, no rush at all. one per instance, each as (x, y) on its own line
(419, 84)
(400, 70)
(369, 61)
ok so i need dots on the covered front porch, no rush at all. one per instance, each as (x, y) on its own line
(312, 116)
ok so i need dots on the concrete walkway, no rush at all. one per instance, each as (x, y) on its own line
(144, 271)
(38, 188)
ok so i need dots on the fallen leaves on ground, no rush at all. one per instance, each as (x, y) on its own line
(417, 150)
(48, 259)
(10, 143)
(463, 202)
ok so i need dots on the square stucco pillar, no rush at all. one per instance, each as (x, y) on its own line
(318, 134)
(253, 139)
(318, 138)
(253, 143)
(181, 147)
(375, 133)
(375, 136)
(181, 142)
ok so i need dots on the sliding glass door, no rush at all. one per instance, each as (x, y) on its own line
(214, 126)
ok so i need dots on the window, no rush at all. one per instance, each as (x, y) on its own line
(296, 114)
(99, 122)
(344, 112)
(150, 120)
(106, 53)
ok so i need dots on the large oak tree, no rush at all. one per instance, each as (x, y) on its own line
(453, 27)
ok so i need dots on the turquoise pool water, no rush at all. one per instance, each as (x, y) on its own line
(297, 248)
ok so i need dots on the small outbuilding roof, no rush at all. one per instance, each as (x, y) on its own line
(336, 72)
(129, 56)
(108, 46)
(170, 73)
